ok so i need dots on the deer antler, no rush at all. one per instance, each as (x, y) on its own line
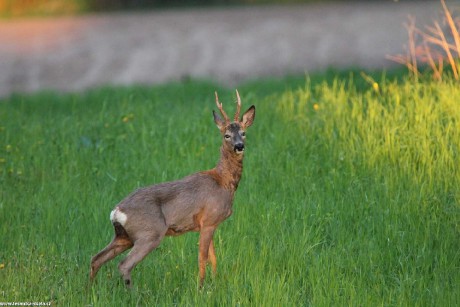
(238, 107)
(219, 106)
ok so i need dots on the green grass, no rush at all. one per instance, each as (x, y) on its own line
(349, 197)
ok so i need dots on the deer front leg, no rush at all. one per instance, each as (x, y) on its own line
(206, 235)
(212, 257)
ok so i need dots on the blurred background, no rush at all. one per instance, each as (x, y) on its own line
(72, 45)
(59, 7)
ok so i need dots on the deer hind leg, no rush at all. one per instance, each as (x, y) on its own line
(206, 235)
(119, 244)
(142, 247)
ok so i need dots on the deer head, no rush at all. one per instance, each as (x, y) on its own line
(234, 132)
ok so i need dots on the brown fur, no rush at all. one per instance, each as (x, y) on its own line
(199, 202)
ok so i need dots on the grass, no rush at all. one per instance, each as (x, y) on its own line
(350, 194)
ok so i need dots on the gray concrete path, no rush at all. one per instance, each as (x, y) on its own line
(228, 45)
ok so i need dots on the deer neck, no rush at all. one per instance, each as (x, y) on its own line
(229, 169)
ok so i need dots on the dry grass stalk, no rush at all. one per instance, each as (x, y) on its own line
(432, 46)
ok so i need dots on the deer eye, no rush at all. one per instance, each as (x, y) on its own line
(243, 133)
(227, 136)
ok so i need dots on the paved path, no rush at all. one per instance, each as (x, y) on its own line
(228, 45)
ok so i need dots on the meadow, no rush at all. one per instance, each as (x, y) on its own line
(349, 196)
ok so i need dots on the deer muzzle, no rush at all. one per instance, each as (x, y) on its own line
(238, 148)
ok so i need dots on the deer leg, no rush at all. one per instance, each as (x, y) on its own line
(205, 243)
(116, 247)
(212, 257)
(141, 248)
(119, 244)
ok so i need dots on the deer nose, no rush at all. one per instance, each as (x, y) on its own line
(239, 147)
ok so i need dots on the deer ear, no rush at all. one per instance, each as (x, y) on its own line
(219, 122)
(248, 117)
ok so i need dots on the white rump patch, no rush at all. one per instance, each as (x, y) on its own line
(117, 216)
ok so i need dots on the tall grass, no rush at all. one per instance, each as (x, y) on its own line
(349, 196)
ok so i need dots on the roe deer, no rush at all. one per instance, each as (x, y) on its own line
(199, 202)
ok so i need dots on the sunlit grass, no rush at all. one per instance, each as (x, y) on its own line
(349, 194)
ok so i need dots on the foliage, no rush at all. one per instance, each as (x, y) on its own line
(19, 8)
(350, 195)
